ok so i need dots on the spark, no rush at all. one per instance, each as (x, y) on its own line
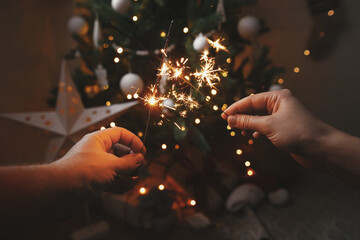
(207, 75)
(216, 44)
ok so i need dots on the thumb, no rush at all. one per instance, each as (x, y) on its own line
(128, 162)
(248, 122)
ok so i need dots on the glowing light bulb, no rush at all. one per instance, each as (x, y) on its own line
(161, 187)
(112, 124)
(136, 95)
(152, 101)
(120, 50)
(192, 202)
(111, 38)
(207, 98)
(250, 172)
(225, 74)
(177, 146)
(215, 107)
(228, 60)
(106, 87)
(163, 34)
(142, 190)
(224, 107)
(140, 134)
(134, 18)
(228, 127)
(186, 30)
(163, 146)
(331, 13)
(197, 120)
(183, 128)
(307, 52)
(102, 128)
(239, 151)
(247, 163)
(116, 60)
(232, 133)
(105, 45)
(280, 80)
(251, 142)
(296, 69)
(129, 96)
(213, 92)
(108, 103)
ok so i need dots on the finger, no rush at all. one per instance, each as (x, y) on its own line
(258, 103)
(111, 136)
(128, 162)
(121, 150)
(248, 122)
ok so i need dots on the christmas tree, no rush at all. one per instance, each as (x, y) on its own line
(120, 44)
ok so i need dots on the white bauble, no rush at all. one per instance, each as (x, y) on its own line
(248, 27)
(279, 196)
(275, 87)
(168, 105)
(245, 194)
(78, 25)
(120, 6)
(96, 32)
(200, 43)
(131, 83)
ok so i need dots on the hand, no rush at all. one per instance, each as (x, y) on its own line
(91, 162)
(280, 117)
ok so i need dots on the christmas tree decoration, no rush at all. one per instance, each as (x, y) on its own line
(96, 32)
(245, 194)
(69, 117)
(198, 221)
(101, 75)
(248, 27)
(120, 6)
(131, 83)
(78, 25)
(200, 43)
(169, 106)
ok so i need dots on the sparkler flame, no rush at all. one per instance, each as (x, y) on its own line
(216, 44)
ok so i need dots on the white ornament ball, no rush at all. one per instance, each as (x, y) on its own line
(245, 194)
(131, 83)
(248, 27)
(200, 43)
(78, 25)
(168, 105)
(275, 87)
(120, 6)
(279, 196)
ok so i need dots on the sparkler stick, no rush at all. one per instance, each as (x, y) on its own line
(158, 78)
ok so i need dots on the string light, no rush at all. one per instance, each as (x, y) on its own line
(215, 107)
(102, 128)
(136, 95)
(280, 80)
(228, 60)
(321, 34)
(225, 74)
(106, 87)
(239, 151)
(331, 12)
(140, 134)
(224, 107)
(213, 92)
(134, 18)
(192, 202)
(232, 133)
(142, 190)
(163, 34)
(112, 124)
(197, 120)
(120, 50)
(251, 142)
(228, 127)
(161, 187)
(186, 30)
(116, 60)
(108, 103)
(163, 146)
(296, 69)
(306, 52)
(177, 146)
(250, 172)
(247, 164)
(111, 38)
(207, 98)
(129, 96)
(105, 45)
